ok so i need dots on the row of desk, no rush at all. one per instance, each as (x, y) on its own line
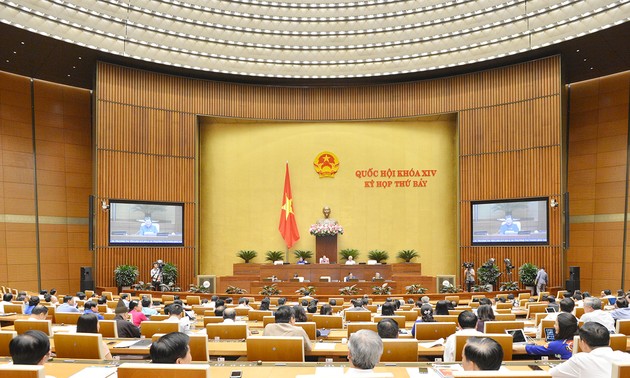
(66, 369)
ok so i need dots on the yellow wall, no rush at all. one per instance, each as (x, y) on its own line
(241, 178)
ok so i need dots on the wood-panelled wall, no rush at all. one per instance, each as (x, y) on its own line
(46, 179)
(510, 141)
(597, 179)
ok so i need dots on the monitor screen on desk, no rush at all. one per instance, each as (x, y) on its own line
(510, 222)
(146, 223)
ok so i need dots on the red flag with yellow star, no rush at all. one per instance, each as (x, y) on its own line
(288, 228)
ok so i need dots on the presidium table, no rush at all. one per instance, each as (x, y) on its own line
(252, 277)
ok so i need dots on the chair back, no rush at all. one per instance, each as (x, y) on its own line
(108, 328)
(79, 345)
(22, 371)
(400, 350)
(167, 299)
(505, 317)
(141, 370)
(193, 300)
(501, 326)
(23, 325)
(310, 328)
(338, 300)
(229, 331)
(5, 339)
(534, 308)
(242, 311)
(159, 317)
(620, 369)
(445, 318)
(504, 340)
(372, 307)
(328, 321)
(12, 307)
(353, 327)
(66, 317)
(623, 326)
(109, 316)
(398, 319)
(268, 320)
(212, 319)
(452, 298)
(108, 294)
(410, 315)
(309, 316)
(434, 330)
(89, 293)
(358, 316)
(546, 323)
(257, 315)
(524, 296)
(501, 306)
(338, 308)
(150, 327)
(617, 342)
(539, 317)
(198, 347)
(579, 311)
(274, 348)
(101, 308)
(456, 311)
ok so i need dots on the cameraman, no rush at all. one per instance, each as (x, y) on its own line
(156, 275)
(469, 276)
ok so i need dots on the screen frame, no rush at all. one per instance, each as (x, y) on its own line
(113, 202)
(509, 243)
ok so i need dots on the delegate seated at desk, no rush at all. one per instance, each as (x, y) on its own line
(508, 226)
(148, 228)
(350, 277)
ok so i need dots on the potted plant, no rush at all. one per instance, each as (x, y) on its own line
(527, 275)
(488, 275)
(508, 286)
(378, 255)
(303, 254)
(274, 256)
(408, 255)
(142, 286)
(345, 253)
(270, 290)
(383, 289)
(125, 276)
(306, 291)
(169, 274)
(349, 290)
(198, 289)
(415, 289)
(246, 255)
(235, 290)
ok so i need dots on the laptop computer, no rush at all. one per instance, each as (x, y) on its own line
(519, 337)
(550, 309)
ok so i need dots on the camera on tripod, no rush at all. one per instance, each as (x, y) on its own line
(468, 265)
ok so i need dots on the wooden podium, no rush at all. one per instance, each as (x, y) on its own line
(326, 245)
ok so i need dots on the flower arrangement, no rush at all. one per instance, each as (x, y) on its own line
(325, 229)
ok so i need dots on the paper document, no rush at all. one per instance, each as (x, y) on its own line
(431, 344)
(324, 346)
(96, 372)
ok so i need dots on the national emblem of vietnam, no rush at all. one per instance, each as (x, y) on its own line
(326, 164)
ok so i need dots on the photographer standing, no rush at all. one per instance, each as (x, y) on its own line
(156, 275)
(469, 275)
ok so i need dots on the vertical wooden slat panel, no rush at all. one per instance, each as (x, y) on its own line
(509, 136)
